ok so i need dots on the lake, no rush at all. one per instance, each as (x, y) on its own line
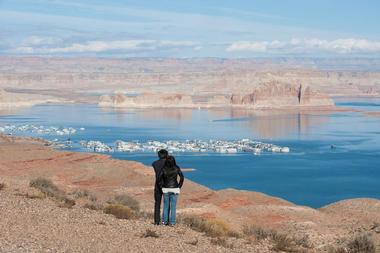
(333, 156)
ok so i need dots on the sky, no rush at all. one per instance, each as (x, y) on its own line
(190, 28)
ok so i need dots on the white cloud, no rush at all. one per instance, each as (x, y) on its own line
(341, 46)
(106, 46)
(40, 40)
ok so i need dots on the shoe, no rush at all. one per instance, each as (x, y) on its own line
(171, 225)
(157, 224)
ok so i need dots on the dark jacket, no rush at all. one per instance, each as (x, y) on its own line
(168, 178)
(157, 166)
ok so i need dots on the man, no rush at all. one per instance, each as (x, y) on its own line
(157, 166)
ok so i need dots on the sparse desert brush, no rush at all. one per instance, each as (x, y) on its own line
(120, 211)
(336, 250)
(282, 242)
(220, 241)
(46, 186)
(2, 186)
(127, 201)
(150, 233)
(49, 189)
(84, 194)
(38, 195)
(361, 244)
(258, 232)
(93, 206)
(211, 227)
(146, 215)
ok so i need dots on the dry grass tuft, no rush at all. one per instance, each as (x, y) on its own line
(49, 189)
(127, 201)
(212, 227)
(93, 206)
(361, 244)
(282, 242)
(120, 211)
(358, 244)
(46, 186)
(257, 232)
(193, 242)
(336, 250)
(2, 186)
(38, 195)
(150, 233)
(222, 242)
(84, 194)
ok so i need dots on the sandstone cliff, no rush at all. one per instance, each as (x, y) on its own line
(277, 95)
(10, 100)
(266, 95)
(146, 100)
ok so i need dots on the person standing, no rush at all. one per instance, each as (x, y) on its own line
(168, 183)
(158, 166)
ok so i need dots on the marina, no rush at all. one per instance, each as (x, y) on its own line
(39, 130)
(194, 146)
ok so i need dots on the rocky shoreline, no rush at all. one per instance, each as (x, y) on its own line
(23, 159)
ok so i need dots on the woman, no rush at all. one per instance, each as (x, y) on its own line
(168, 182)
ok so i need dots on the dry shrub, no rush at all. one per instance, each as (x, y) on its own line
(193, 242)
(257, 232)
(222, 242)
(336, 250)
(303, 241)
(65, 202)
(212, 227)
(46, 186)
(2, 186)
(84, 194)
(146, 215)
(361, 244)
(120, 211)
(93, 206)
(49, 189)
(127, 201)
(282, 242)
(150, 233)
(38, 195)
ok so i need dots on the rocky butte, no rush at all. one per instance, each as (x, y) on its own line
(266, 95)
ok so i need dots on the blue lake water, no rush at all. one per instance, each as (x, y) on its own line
(311, 174)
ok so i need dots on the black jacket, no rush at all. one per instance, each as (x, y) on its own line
(158, 165)
(168, 178)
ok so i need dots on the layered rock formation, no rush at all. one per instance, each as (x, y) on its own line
(277, 95)
(266, 95)
(146, 100)
(10, 100)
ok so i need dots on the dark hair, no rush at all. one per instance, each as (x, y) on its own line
(162, 153)
(170, 162)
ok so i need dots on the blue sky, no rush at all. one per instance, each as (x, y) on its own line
(190, 28)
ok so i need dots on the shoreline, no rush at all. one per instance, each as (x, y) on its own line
(25, 158)
(50, 145)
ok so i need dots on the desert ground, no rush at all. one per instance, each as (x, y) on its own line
(37, 222)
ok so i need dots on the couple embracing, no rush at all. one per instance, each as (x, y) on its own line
(166, 184)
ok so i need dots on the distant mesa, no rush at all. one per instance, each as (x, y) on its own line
(272, 94)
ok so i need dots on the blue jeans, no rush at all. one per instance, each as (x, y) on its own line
(170, 204)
